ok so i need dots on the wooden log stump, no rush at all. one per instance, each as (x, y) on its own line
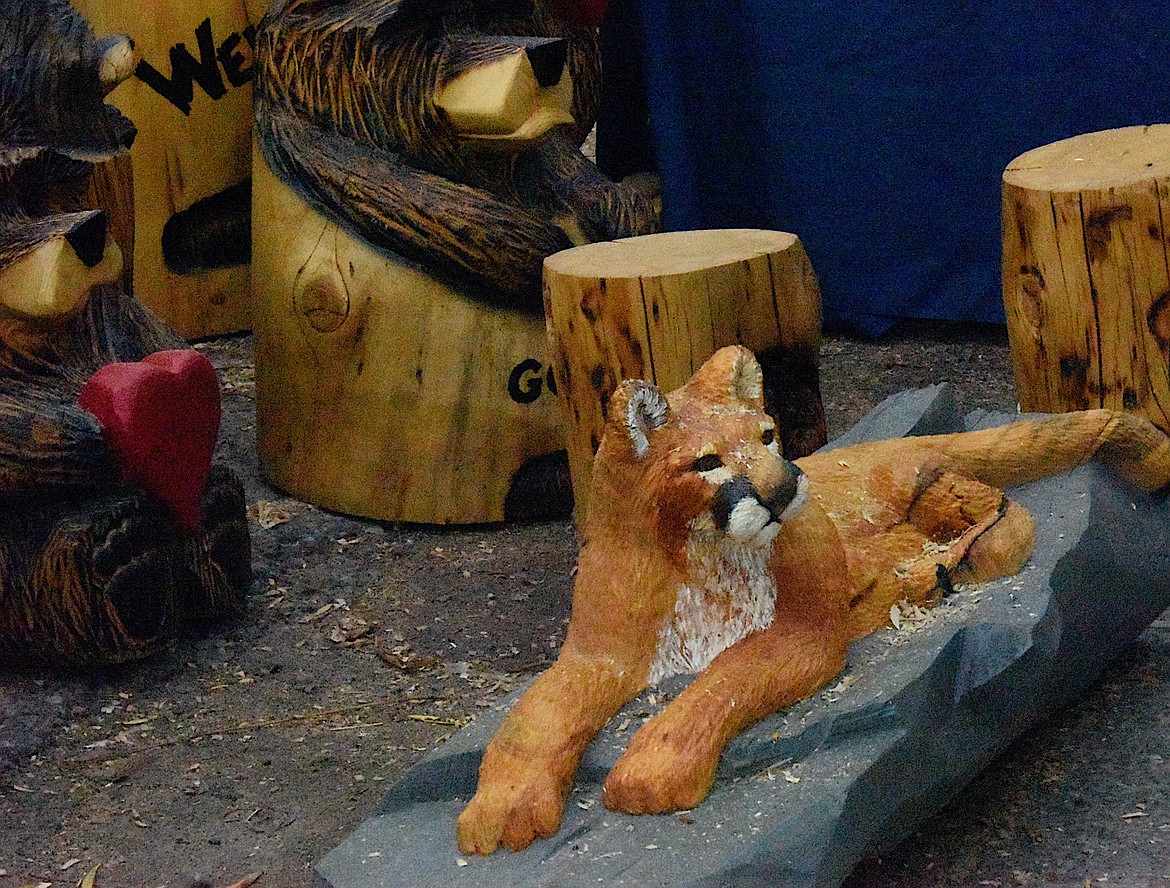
(382, 392)
(190, 97)
(656, 307)
(1086, 285)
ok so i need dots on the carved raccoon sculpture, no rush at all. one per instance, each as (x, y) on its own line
(443, 131)
(706, 552)
(115, 529)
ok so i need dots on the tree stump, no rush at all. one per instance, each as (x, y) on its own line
(656, 307)
(380, 391)
(190, 97)
(1086, 285)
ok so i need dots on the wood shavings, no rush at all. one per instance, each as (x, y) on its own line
(267, 514)
(773, 771)
(908, 618)
(895, 616)
(247, 881)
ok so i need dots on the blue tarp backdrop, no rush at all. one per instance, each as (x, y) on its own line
(879, 131)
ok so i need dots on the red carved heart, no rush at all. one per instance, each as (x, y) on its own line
(161, 417)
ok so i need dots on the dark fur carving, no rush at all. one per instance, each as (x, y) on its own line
(91, 570)
(346, 113)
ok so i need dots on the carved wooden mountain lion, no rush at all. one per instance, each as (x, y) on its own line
(704, 551)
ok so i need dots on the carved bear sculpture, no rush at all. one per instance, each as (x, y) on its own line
(115, 529)
(420, 160)
(704, 551)
(445, 131)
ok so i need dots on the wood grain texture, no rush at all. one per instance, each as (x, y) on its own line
(191, 100)
(110, 188)
(380, 391)
(656, 307)
(91, 569)
(348, 114)
(1086, 281)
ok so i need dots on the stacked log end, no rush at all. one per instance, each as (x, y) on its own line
(1086, 283)
(656, 307)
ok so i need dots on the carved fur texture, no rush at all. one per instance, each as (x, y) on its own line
(705, 551)
(92, 570)
(347, 113)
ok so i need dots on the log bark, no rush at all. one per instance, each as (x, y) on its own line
(1086, 283)
(656, 307)
(380, 391)
(191, 99)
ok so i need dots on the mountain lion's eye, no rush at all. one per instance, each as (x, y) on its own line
(707, 463)
(768, 437)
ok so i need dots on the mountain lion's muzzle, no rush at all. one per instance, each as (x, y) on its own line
(741, 511)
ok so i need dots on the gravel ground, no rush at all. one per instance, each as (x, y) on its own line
(259, 746)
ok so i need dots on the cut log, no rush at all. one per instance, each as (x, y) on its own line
(1086, 285)
(656, 307)
(191, 99)
(379, 390)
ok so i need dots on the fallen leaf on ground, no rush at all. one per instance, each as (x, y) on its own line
(351, 629)
(268, 515)
(402, 657)
(89, 879)
(319, 612)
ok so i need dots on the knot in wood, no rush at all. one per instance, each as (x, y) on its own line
(323, 302)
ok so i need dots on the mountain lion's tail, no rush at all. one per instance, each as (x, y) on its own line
(1037, 448)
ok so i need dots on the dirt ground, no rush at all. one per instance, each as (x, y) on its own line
(259, 746)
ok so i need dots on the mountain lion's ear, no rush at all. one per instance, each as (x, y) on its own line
(732, 370)
(747, 379)
(635, 410)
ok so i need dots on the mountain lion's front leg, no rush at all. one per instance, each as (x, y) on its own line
(670, 764)
(528, 767)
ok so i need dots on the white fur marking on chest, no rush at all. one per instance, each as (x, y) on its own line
(731, 595)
